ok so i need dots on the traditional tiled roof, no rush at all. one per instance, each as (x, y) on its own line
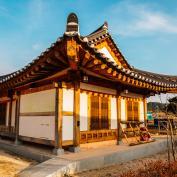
(101, 34)
(165, 80)
(144, 76)
(24, 75)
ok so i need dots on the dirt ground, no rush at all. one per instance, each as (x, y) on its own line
(10, 164)
(116, 170)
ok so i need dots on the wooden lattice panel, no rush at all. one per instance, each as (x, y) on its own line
(97, 135)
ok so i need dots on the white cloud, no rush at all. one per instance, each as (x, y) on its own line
(139, 19)
(151, 21)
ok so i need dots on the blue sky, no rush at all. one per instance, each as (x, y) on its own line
(144, 30)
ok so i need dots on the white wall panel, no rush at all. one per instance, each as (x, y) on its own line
(13, 114)
(113, 113)
(42, 127)
(141, 111)
(43, 101)
(67, 128)
(123, 111)
(97, 88)
(68, 100)
(83, 112)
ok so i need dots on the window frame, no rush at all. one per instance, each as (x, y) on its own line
(135, 110)
(101, 124)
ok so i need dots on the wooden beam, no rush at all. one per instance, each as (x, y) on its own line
(86, 59)
(96, 61)
(76, 114)
(119, 76)
(95, 67)
(128, 79)
(124, 78)
(114, 73)
(10, 113)
(94, 74)
(53, 77)
(99, 109)
(58, 119)
(37, 140)
(90, 64)
(17, 117)
(109, 70)
(119, 131)
(54, 62)
(145, 110)
(103, 66)
(60, 57)
(60, 116)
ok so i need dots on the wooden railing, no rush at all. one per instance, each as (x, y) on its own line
(97, 135)
(6, 129)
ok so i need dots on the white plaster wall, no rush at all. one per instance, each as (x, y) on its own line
(7, 113)
(123, 111)
(83, 112)
(43, 101)
(13, 114)
(97, 88)
(42, 127)
(68, 100)
(113, 113)
(67, 128)
(141, 106)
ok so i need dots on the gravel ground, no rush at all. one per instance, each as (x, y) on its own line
(10, 164)
(117, 170)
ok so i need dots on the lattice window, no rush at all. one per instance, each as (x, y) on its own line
(99, 113)
(129, 110)
(132, 110)
(136, 110)
(104, 113)
(94, 122)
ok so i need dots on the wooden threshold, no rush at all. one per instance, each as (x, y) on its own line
(37, 140)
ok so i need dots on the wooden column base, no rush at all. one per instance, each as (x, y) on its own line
(18, 142)
(119, 142)
(74, 149)
(58, 151)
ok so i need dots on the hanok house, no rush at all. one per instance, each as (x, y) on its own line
(75, 92)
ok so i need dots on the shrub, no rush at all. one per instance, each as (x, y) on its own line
(154, 169)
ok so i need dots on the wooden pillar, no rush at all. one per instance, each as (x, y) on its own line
(17, 117)
(10, 114)
(58, 119)
(119, 130)
(76, 118)
(145, 110)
